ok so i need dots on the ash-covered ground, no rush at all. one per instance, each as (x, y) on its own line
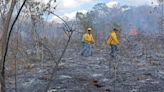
(97, 73)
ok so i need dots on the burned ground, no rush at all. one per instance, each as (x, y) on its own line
(98, 73)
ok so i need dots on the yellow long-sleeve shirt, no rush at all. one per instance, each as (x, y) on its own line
(113, 39)
(88, 38)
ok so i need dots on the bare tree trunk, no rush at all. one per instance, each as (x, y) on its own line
(15, 52)
(35, 35)
(4, 40)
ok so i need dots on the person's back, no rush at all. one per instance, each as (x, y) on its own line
(113, 41)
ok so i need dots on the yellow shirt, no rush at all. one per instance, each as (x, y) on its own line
(88, 38)
(113, 39)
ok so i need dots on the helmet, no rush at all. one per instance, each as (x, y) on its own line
(89, 29)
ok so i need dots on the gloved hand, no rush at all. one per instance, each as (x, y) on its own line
(92, 42)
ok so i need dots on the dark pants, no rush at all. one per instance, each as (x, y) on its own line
(114, 49)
